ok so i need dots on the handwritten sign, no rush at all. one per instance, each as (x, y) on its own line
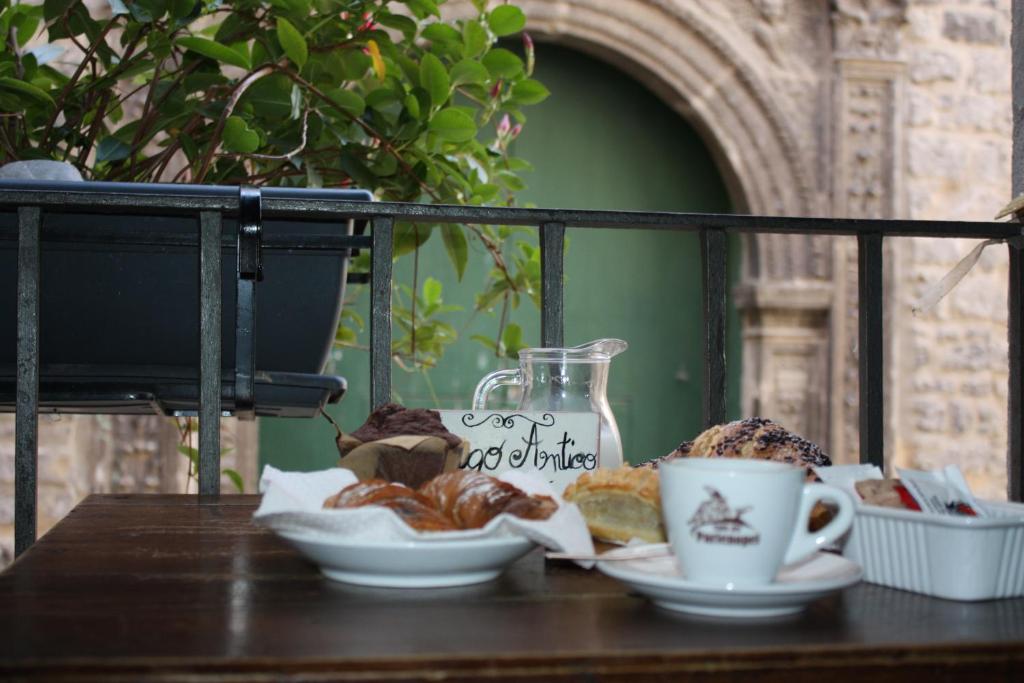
(560, 446)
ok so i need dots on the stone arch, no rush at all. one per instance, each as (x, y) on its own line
(692, 56)
(695, 71)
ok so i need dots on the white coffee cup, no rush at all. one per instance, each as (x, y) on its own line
(734, 522)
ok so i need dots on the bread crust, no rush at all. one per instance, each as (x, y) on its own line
(619, 504)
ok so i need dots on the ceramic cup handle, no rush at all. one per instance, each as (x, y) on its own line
(806, 543)
(501, 378)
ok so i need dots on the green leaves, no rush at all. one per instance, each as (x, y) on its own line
(506, 19)
(292, 42)
(215, 51)
(26, 90)
(348, 101)
(112, 149)
(468, 71)
(239, 137)
(502, 63)
(456, 246)
(529, 91)
(434, 79)
(453, 125)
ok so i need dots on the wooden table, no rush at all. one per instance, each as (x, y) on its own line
(165, 587)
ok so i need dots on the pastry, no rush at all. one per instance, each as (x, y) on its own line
(620, 504)
(463, 499)
(393, 419)
(472, 499)
(754, 437)
(414, 509)
(762, 439)
(407, 445)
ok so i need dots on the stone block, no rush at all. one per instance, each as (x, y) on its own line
(974, 28)
(990, 73)
(921, 110)
(929, 416)
(936, 157)
(930, 66)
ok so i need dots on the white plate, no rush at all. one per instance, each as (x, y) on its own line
(796, 586)
(411, 564)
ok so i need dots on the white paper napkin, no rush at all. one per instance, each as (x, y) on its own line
(293, 502)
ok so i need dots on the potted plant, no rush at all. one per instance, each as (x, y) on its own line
(384, 96)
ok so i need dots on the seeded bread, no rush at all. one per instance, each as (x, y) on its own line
(755, 438)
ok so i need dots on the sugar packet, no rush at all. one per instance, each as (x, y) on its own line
(942, 492)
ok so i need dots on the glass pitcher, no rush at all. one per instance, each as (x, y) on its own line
(565, 380)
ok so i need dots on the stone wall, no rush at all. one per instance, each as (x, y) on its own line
(81, 454)
(951, 383)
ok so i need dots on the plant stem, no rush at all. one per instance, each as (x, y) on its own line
(69, 86)
(215, 138)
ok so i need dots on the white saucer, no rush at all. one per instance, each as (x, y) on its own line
(796, 586)
(411, 564)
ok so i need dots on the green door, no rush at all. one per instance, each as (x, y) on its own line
(601, 141)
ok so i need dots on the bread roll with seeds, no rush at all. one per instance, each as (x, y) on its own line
(755, 438)
(758, 438)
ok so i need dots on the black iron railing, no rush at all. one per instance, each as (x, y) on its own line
(32, 206)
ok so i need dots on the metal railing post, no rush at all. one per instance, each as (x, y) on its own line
(552, 278)
(380, 311)
(714, 263)
(870, 358)
(210, 224)
(26, 430)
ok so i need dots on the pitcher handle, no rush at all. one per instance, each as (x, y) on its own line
(500, 378)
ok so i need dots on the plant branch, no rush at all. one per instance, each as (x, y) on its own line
(215, 139)
(289, 155)
(73, 81)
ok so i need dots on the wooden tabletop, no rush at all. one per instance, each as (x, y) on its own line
(167, 587)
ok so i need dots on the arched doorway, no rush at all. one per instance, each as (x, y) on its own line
(602, 140)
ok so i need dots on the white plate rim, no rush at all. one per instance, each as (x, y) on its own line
(453, 544)
(852, 573)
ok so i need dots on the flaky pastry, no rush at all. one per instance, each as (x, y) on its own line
(620, 504)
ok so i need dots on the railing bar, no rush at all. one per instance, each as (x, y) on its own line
(380, 311)
(714, 259)
(552, 278)
(26, 459)
(210, 291)
(1015, 298)
(250, 272)
(102, 238)
(320, 207)
(1015, 407)
(870, 336)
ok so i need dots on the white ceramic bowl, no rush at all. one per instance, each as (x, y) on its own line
(411, 564)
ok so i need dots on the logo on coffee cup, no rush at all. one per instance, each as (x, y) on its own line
(716, 522)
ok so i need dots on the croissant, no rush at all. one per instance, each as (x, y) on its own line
(472, 499)
(414, 509)
(463, 499)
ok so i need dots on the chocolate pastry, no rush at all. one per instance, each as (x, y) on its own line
(407, 445)
(392, 419)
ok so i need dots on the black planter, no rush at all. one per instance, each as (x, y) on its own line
(119, 304)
